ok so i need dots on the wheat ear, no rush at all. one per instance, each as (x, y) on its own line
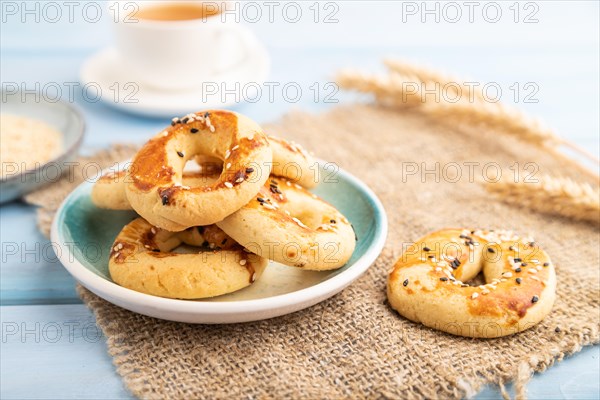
(557, 196)
(392, 90)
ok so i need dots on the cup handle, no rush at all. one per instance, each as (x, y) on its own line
(245, 40)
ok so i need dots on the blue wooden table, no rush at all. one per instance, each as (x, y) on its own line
(51, 347)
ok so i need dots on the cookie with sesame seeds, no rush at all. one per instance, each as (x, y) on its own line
(142, 259)
(428, 283)
(288, 224)
(155, 189)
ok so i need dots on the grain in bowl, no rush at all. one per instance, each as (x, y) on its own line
(27, 144)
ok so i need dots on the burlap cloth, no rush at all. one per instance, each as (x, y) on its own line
(353, 345)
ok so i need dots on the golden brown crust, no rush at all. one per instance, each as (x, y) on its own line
(427, 285)
(156, 190)
(141, 259)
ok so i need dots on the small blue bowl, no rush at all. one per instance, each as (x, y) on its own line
(57, 114)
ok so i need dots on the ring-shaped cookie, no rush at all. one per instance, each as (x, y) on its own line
(141, 260)
(155, 189)
(288, 224)
(427, 284)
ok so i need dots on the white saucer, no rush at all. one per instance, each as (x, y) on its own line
(104, 69)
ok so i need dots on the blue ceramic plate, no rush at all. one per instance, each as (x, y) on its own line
(84, 234)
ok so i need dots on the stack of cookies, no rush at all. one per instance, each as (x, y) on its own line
(212, 230)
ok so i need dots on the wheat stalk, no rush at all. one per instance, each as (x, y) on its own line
(393, 90)
(427, 76)
(557, 196)
(388, 90)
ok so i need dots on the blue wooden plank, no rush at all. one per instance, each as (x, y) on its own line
(30, 272)
(55, 352)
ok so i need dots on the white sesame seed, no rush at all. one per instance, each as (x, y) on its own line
(239, 180)
(228, 166)
(243, 262)
(296, 220)
(507, 274)
(532, 271)
(438, 269)
(153, 230)
(485, 291)
(234, 148)
(229, 185)
(227, 154)
(475, 295)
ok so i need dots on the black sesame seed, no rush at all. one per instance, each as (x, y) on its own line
(156, 250)
(531, 244)
(405, 283)
(332, 221)
(180, 154)
(534, 299)
(249, 170)
(173, 123)
(546, 264)
(517, 260)
(443, 279)
(224, 241)
(194, 130)
(472, 232)
(518, 269)
(490, 250)
(165, 200)
(206, 114)
(186, 119)
(557, 329)
(523, 264)
(519, 280)
(426, 248)
(260, 199)
(432, 256)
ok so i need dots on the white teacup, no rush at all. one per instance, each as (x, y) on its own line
(177, 53)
